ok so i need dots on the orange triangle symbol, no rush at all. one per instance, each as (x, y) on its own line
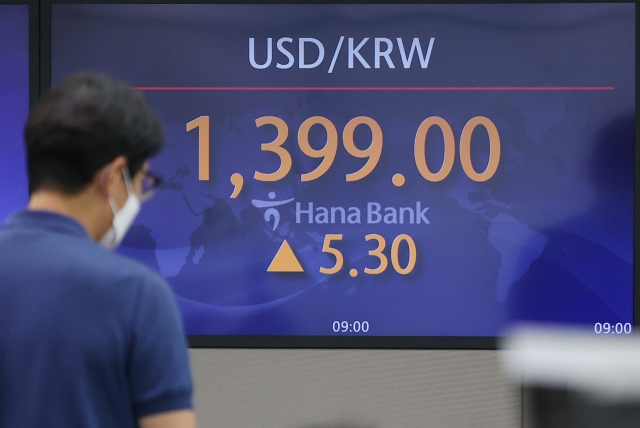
(285, 260)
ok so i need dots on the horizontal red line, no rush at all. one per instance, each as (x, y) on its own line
(342, 88)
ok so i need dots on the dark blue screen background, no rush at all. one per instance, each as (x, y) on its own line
(547, 238)
(14, 106)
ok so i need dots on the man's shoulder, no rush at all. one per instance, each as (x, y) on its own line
(54, 255)
(122, 274)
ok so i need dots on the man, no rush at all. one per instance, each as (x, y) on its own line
(87, 338)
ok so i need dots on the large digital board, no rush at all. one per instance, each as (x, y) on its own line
(379, 170)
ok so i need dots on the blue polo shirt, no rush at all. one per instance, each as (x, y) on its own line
(87, 337)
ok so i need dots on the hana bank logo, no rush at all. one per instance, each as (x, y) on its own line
(271, 213)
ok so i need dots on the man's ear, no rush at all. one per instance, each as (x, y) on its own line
(111, 177)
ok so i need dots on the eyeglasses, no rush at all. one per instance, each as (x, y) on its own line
(150, 182)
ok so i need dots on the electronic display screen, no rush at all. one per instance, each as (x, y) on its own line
(379, 170)
(14, 106)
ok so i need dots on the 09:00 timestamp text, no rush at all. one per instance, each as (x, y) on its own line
(609, 328)
(350, 327)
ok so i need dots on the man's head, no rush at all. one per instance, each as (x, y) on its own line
(83, 124)
(87, 143)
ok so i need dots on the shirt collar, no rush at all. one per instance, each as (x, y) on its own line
(46, 220)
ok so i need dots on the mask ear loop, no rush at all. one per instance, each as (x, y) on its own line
(127, 183)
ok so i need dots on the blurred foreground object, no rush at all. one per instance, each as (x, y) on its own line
(574, 378)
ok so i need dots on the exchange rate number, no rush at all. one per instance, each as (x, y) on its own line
(372, 153)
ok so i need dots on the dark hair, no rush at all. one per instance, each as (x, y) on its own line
(81, 125)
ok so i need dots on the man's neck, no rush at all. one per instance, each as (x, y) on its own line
(82, 207)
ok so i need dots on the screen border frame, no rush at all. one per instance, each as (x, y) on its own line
(33, 24)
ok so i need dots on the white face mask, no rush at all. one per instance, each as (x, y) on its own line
(123, 218)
